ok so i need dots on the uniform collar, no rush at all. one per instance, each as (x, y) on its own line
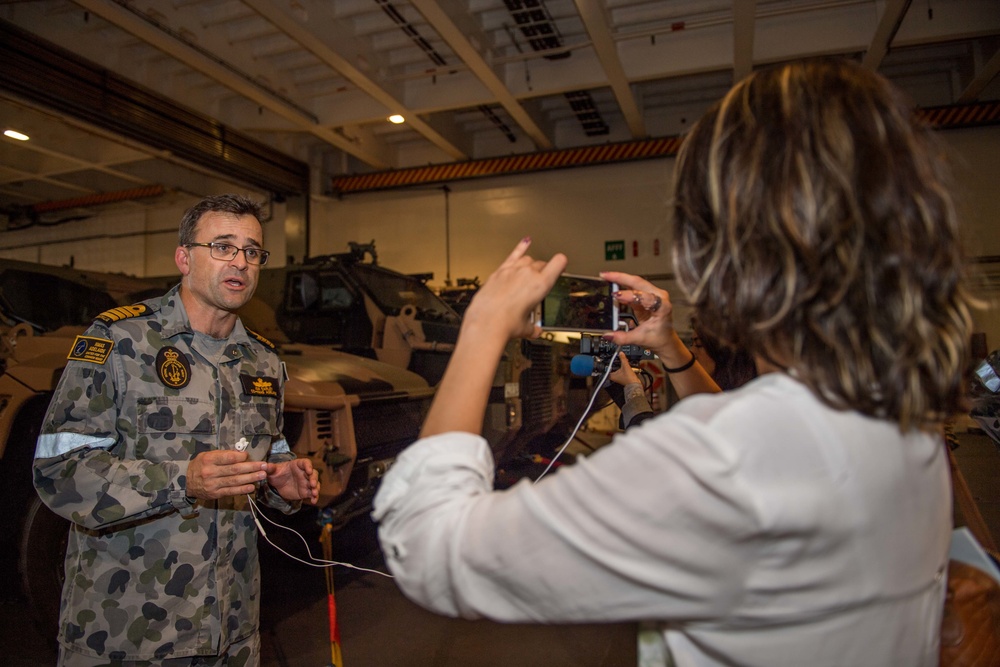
(174, 320)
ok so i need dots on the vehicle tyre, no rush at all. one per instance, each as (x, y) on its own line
(16, 490)
(41, 553)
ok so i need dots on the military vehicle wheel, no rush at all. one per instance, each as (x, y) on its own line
(41, 554)
(16, 490)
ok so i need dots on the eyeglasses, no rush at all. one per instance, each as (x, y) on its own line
(227, 252)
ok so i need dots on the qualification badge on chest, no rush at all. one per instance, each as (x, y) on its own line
(172, 368)
(259, 386)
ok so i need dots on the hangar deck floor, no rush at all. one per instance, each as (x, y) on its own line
(380, 628)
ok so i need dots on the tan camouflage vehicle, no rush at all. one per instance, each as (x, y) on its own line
(351, 415)
(348, 302)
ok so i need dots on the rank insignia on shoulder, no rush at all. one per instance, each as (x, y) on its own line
(94, 350)
(122, 313)
(261, 339)
(260, 386)
(173, 368)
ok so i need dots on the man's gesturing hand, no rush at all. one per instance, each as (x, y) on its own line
(223, 472)
(294, 480)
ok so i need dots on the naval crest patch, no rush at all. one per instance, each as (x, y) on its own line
(173, 368)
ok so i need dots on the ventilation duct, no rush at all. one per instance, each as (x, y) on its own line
(55, 78)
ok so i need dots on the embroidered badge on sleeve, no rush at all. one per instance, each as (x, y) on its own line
(94, 350)
(122, 313)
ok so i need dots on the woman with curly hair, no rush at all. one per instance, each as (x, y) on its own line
(803, 518)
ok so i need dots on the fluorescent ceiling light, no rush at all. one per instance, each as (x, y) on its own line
(14, 134)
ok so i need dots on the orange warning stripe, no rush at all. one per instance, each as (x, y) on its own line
(970, 115)
(99, 199)
(966, 115)
(572, 157)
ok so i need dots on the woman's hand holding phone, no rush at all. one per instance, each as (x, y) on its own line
(652, 309)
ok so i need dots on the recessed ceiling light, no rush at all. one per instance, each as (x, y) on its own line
(396, 118)
(14, 134)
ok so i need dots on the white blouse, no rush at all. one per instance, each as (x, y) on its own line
(757, 527)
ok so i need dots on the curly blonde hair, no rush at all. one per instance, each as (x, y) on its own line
(813, 226)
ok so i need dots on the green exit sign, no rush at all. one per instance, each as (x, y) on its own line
(614, 250)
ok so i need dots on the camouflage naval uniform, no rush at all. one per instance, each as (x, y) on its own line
(150, 573)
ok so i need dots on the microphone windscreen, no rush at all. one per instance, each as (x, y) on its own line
(581, 365)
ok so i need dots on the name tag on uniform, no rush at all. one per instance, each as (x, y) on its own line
(94, 350)
(260, 386)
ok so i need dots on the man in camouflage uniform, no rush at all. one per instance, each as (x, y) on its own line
(168, 415)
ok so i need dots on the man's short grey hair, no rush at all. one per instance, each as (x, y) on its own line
(234, 204)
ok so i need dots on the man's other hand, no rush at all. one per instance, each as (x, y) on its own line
(294, 480)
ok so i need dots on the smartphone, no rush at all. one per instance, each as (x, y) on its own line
(579, 303)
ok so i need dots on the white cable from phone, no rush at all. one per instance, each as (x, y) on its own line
(586, 411)
(319, 562)
(313, 562)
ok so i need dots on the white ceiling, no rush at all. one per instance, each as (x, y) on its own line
(316, 79)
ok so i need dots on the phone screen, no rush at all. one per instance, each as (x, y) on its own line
(579, 303)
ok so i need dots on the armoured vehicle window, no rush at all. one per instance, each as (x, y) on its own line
(332, 298)
(302, 291)
(393, 291)
(322, 291)
(49, 302)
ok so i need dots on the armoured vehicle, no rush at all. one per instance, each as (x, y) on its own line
(350, 414)
(348, 302)
(459, 295)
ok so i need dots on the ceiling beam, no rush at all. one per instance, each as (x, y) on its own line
(150, 165)
(596, 22)
(291, 27)
(885, 31)
(459, 44)
(102, 167)
(85, 95)
(982, 79)
(26, 176)
(133, 24)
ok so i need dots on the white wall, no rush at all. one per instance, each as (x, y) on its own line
(575, 211)
(976, 154)
(976, 163)
(138, 242)
(571, 211)
(132, 242)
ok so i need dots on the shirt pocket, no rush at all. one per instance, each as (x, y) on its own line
(171, 428)
(257, 426)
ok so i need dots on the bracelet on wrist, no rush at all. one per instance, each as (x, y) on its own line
(681, 369)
